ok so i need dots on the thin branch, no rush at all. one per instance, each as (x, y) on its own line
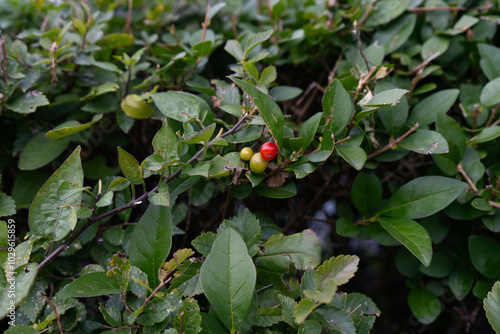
(4, 64)
(492, 116)
(393, 143)
(494, 204)
(467, 178)
(367, 13)
(58, 318)
(133, 203)
(435, 9)
(128, 24)
(360, 46)
(425, 62)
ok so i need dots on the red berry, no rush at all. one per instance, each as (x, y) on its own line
(268, 151)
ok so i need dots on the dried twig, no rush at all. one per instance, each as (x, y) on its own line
(393, 143)
(4, 64)
(360, 46)
(467, 178)
(492, 116)
(53, 63)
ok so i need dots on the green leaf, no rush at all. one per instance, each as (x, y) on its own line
(310, 327)
(490, 94)
(339, 269)
(268, 76)
(91, 285)
(386, 98)
(70, 128)
(490, 58)
(162, 197)
(325, 150)
(489, 133)
(366, 192)
(203, 243)
(385, 11)
(393, 117)
(288, 307)
(248, 227)
(461, 281)
(129, 166)
(268, 316)
(22, 329)
(425, 306)
(289, 189)
(396, 33)
(256, 39)
(436, 45)
(423, 197)
(411, 234)
(228, 278)
(28, 103)
(183, 107)
(151, 241)
(24, 279)
(337, 106)
(308, 129)
(7, 205)
(40, 151)
(105, 200)
(284, 93)
(268, 109)
(492, 307)
(199, 137)
(353, 154)
(303, 249)
(155, 312)
(304, 308)
(47, 216)
(188, 317)
(233, 47)
(483, 254)
(426, 142)
(187, 278)
(165, 142)
(332, 317)
(438, 103)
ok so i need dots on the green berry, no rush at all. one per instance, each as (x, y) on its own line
(246, 153)
(257, 164)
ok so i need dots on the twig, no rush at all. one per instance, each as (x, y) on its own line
(333, 72)
(435, 9)
(393, 142)
(128, 24)
(467, 178)
(492, 116)
(364, 221)
(342, 140)
(366, 14)
(205, 24)
(4, 64)
(360, 46)
(58, 318)
(425, 62)
(53, 72)
(494, 204)
(133, 203)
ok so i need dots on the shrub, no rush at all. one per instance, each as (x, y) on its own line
(128, 208)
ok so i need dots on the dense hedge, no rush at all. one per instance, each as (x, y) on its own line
(128, 209)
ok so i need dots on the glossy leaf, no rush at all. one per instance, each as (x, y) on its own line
(489, 133)
(492, 307)
(49, 217)
(289, 189)
(228, 278)
(28, 103)
(308, 129)
(165, 142)
(386, 98)
(326, 149)
(411, 235)
(180, 106)
(70, 128)
(151, 241)
(461, 281)
(303, 249)
(490, 58)
(434, 46)
(366, 192)
(255, 40)
(438, 103)
(247, 225)
(91, 285)
(337, 106)
(423, 197)
(268, 109)
(490, 94)
(425, 306)
(202, 136)
(40, 151)
(396, 33)
(24, 280)
(386, 11)
(483, 252)
(353, 154)
(339, 269)
(426, 142)
(162, 197)
(129, 166)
